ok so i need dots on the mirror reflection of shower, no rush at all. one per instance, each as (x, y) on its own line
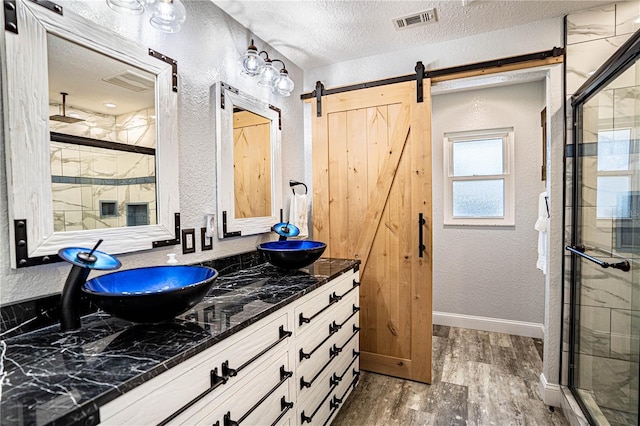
(103, 139)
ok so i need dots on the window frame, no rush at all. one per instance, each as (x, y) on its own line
(508, 176)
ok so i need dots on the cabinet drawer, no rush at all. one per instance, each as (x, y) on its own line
(318, 410)
(265, 399)
(314, 309)
(318, 356)
(326, 328)
(205, 375)
(338, 370)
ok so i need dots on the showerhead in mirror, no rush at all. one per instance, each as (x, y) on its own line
(64, 117)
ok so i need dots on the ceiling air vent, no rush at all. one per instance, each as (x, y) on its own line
(416, 19)
(131, 80)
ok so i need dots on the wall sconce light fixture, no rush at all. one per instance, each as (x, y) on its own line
(166, 15)
(254, 65)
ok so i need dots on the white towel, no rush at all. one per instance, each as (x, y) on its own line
(541, 226)
(298, 214)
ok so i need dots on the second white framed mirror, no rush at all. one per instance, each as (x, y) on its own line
(249, 167)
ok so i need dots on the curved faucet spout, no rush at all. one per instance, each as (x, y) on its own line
(83, 262)
(70, 302)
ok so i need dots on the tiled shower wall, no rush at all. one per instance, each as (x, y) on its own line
(83, 176)
(608, 317)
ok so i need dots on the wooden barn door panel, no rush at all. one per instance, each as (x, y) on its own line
(372, 176)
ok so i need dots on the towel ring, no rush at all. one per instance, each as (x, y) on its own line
(293, 183)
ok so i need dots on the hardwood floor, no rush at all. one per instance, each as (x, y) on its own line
(479, 378)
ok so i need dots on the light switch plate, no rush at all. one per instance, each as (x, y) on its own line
(205, 242)
(188, 241)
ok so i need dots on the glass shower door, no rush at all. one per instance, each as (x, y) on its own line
(605, 324)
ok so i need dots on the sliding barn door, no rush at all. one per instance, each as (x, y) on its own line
(372, 183)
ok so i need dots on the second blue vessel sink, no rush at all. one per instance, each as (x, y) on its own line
(151, 295)
(291, 254)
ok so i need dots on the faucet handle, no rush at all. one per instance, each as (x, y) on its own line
(286, 230)
(89, 258)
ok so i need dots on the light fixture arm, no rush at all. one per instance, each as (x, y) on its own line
(266, 55)
(284, 67)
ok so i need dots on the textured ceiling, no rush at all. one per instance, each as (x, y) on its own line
(323, 32)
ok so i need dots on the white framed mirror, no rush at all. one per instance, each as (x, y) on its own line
(63, 192)
(249, 167)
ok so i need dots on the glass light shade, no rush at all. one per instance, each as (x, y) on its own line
(282, 85)
(130, 7)
(168, 16)
(251, 63)
(268, 74)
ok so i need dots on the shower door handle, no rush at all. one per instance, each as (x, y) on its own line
(623, 266)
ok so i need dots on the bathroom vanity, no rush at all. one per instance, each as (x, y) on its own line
(266, 346)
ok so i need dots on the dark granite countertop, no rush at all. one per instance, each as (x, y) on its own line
(50, 377)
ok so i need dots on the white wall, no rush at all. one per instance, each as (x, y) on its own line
(206, 49)
(529, 38)
(490, 271)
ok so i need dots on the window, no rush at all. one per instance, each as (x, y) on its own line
(479, 178)
(108, 209)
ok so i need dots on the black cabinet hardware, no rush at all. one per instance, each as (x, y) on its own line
(232, 372)
(216, 382)
(284, 408)
(304, 355)
(304, 320)
(421, 246)
(623, 266)
(333, 298)
(339, 349)
(216, 423)
(284, 376)
(333, 328)
(307, 419)
(335, 402)
(305, 384)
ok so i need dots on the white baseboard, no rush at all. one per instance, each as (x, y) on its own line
(551, 392)
(518, 328)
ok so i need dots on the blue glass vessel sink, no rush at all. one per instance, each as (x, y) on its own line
(291, 254)
(151, 295)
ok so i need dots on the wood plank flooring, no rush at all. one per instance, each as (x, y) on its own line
(479, 378)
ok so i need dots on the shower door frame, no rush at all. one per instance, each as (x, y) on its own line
(618, 63)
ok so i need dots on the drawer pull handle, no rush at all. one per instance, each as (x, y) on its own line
(307, 419)
(333, 328)
(334, 350)
(284, 376)
(339, 349)
(333, 298)
(305, 384)
(284, 407)
(216, 382)
(334, 380)
(335, 402)
(232, 372)
(304, 320)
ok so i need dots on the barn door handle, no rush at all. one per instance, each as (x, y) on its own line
(421, 246)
